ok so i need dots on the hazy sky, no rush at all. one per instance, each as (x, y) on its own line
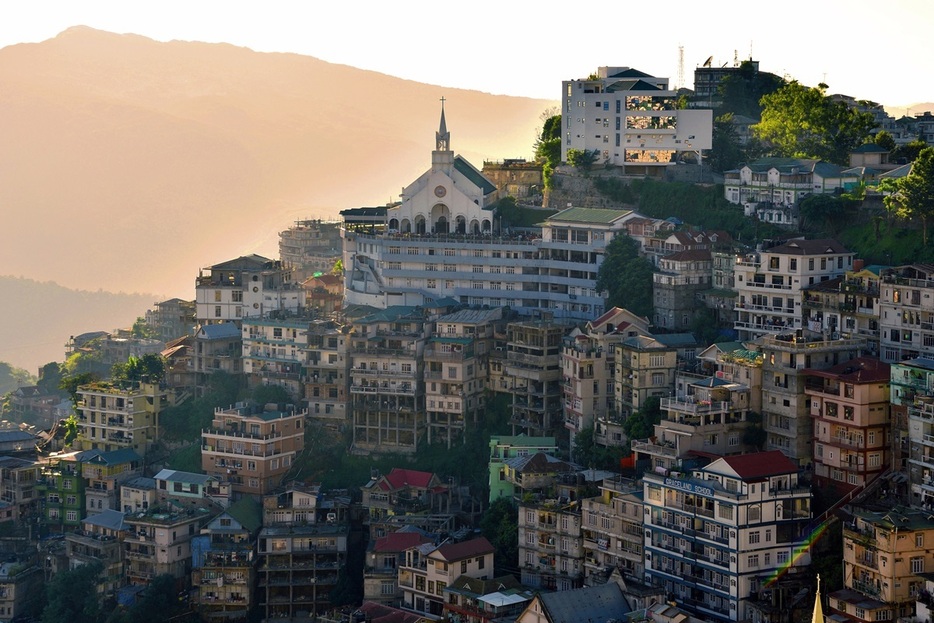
(870, 50)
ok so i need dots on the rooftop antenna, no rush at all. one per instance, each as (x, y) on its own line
(735, 58)
(680, 66)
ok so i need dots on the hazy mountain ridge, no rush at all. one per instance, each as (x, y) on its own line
(130, 163)
(34, 331)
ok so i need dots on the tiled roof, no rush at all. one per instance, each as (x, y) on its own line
(604, 602)
(759, 465)
(856, 370)
(399, 541)
(802, 246)
(378, 613)
(465, 549)
(690, 255)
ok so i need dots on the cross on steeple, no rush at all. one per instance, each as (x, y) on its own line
(442, 137)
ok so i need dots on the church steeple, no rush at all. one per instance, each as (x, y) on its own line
(818, 615)
(442, 136)
(442, 158)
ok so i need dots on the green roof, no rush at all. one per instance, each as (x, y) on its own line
(478, 179)
(248, 512)
(589, 215)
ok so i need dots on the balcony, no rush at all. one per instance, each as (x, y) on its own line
(655, 449)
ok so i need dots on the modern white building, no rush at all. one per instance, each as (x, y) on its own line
(632, 120)
(713, 537)
(444, 240)
(251, 285)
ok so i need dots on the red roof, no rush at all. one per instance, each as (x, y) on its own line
(400, 478)
(760, 465)
(399, 541)
(378, 613)
(856, 370)
(464, 549)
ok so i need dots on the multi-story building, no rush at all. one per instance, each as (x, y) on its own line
(706, 416)
(324, 293)
(403, 492)
(771, 188)
(384, 557)
(709, 76)
(852, 422)
(310, 246)
(506, 448)
(473, 600)
(103, 473)
(886, 555)
(157, 541)
(645, 367)
(732, 361)
(99, 540)
(912, 401)
(770, 283)
(250, 285)
(20, 582)
(222, 561)
(551, 552)
(846, 306)
(274, 350)
(217, 348)
(171, 319)
(299, 561)
(327, 374)
(787, 359)
(428, 570)
(444, 239)
(121, 415)
(387, 386)
(676, 287)
(455, 360)
(252, 447)
(137, 494)
(906, 312)
(588, 358)
(532, 369)
(713, 536)
(632, 121)
(612, 531)
(60, 491)
(18, 478)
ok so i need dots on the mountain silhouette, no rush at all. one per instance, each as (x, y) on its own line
(127, 164)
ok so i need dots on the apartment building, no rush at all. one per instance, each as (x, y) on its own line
(505, 448)
(706, 416)
(770, 283)
(327, 374)
(676, 287)
(222, 561)
(403, 492)
(852, 423)
(18, 480)
(251, 446)
(384, 557)
(217, 348)
(20, 582)
(428, 570)
(846, 306)
(100, 540)
(121, 415)
(632, 121)
(445, 239)
(310, 246)
(886, 556)
(275, 348)
(250, 285)
(611, 527)
(906, 318)
(787, 360)
(103, 473)
(714, 535)
(60, 491)
(588, 357)
(532, 370)
(387, 386)
(732, 361)
(771, 188)
(708, 77)
(455, 360)
(645, 367)
(912, 398)
(171, 319)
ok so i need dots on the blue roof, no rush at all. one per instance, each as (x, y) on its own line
(226, 330)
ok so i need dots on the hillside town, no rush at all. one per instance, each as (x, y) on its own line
(647, 473)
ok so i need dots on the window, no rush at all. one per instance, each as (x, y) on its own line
(725, 511)
(71, 516)
(463, 567)
(753, 536)
(919, 539)
(753, 560)
(387, 588)
(917, 564)
(217, 311)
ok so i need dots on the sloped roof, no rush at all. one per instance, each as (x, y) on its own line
(222, 331)
(760, 465)
(677, 340)
(465, 549)
(901, 171)
(857, 370)
(480, 586)
(12, 436)
(115, 457)
(175, 475)
(244, 262)
(802, 246)
(604, 602)
(870, 148)
(390, 314)
(476, 177)
(107, 518)
(248, 512)
(378, 613)
(689, 255)
(629, 72)
(631, 85)
(399, 478)
(399, 541)
(539, 463)
(601, 216)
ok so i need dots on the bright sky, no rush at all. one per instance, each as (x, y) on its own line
(866, 49)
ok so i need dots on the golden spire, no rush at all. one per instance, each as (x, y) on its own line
(818, 615)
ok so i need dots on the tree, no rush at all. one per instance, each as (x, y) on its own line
(582, 159)
(908, 152)
(548, 145)
(641, 424)
(142, 330)
(741, 93)
(884, 139)
(338, 268)
(72, 596)
(726, 152)
(913, 198)
(500, 524)
(827, 212)
(626, 277)
(71, 383)
(265, 394)
(50, 377)
(804, 122)
(149, 367)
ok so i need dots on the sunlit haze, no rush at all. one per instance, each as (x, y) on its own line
(869, 50)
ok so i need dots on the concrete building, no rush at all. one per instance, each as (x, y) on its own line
(428, 570)
(100, 540)
(327, 374)
(472, 600)
(171, 319)
(712, 536)
(403, 492)
(250, 285)
(886, 555)
(532, 370)
(912, 397)
(906, 312)
(852, 423)
(770, 283)
(19, 584)
(252, 447)
(505, 448)
(275, 348)
(387, 386)
(788, 358)
(121, 415)
(217, 348)
(18, 479)
(645, 367)
(708, 78)
(104, 472)
(676, 287)
(384, 557)
(632, 121)
(612, 531)
(310, 246)
(846, 306)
